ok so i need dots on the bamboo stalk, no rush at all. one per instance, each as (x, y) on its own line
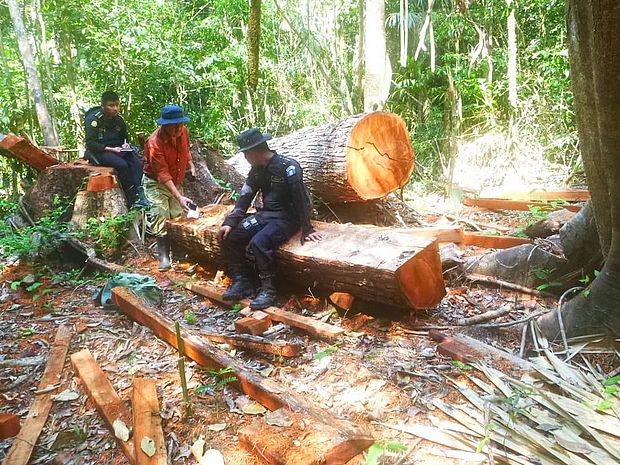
(188, 407)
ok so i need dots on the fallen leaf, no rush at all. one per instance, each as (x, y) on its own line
(148, 446)
(576, 447)
(66, 396)
(120, 430)
(212, 457)
(198, 448)
(217, 427)
(254, 408)
(278, 418)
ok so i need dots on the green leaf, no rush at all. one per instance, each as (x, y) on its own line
(15, 285)
(613, 380)
(605, 405)
(374, 453)
(34, 286)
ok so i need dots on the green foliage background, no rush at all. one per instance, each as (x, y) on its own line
(193, 52)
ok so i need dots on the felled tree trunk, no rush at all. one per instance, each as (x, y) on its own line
(107, 203)
(361, 158)
(374, 264)
(203, 189)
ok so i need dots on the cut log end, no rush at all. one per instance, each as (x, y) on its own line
(380, 158)
(421, 278)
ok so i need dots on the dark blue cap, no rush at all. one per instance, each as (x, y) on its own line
(172, 114)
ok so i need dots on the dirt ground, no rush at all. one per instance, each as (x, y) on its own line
(384, 371)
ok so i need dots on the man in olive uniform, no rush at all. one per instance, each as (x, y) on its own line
(106, 145)
(286, 209)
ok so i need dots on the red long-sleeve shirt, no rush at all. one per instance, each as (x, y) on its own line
(166, 159)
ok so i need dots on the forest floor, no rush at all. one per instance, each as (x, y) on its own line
(385, 370)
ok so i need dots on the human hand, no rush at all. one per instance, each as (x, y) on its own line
(192, 169)
(312, 237)
(126, 146)
(116, 150)
(223, 232)
(185, 202)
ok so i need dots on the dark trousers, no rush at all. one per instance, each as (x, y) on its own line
(257, 237)
(128, 166)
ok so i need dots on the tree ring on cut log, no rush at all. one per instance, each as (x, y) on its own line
(379, 156)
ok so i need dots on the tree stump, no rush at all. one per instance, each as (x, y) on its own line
(360, 158)
(372, 263)
(107, 203)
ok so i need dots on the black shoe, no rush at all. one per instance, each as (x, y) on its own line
(267, 295)
(141, 200)
(240, 288)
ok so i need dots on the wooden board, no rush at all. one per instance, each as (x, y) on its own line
(372, 263)
(539, 194)
(26, 152)
(520, 205)
(489, 241)
(9, 425)
(102, 394)
(310, 325)
(339, 435)
(24, 442)
(448, 234)
(147, 422)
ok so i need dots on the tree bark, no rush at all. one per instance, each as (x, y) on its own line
(361, 158)
(374, 264)
(45, 121)
(254, 43)
(594, 51)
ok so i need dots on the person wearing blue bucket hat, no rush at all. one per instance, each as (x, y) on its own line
(166, 159)
(286, 209)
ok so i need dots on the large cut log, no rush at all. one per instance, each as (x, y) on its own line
(203, 188)
(325, 438)
(360, 158)
(372, 263)
(22, 149)
(63, 181)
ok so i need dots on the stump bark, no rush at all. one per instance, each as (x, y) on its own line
(372, 263)
(361, 158)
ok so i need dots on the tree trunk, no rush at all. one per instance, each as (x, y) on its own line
(253, 43)
(374, 264)
(594, 51)
(360, 158)
(107, 203)
(378, 72)
(45, 121)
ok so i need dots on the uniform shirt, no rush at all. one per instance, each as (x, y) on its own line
(102, 132)
(166, 159)
(283, 191)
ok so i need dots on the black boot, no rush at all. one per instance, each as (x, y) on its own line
(267, 295)
(242, 284)
(163, 250)
(141, 200)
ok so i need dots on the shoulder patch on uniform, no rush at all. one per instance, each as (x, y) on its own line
(93, 123)
(291, 170)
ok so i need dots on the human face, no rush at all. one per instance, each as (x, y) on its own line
(172, 130)
(253, 156)
(111, 109)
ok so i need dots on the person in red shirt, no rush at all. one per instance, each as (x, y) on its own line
(166, 158)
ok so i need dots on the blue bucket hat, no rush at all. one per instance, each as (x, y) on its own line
(250, 138)
(172, 114)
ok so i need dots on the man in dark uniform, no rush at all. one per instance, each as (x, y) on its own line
(286, 209)
(106, 145)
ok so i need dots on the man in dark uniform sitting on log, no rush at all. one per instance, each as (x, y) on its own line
(286, 209)
(106, 145)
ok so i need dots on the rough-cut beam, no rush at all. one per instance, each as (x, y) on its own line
(570, 195)
(22, 149)
(147, 422)
(338, 434)
(488, 241)
(102, 394)
(9, 425)
(521, 205)
(372, 263)
(310, 325)
(360, 158)
(24, 442)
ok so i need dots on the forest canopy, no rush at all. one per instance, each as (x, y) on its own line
(449, 62)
